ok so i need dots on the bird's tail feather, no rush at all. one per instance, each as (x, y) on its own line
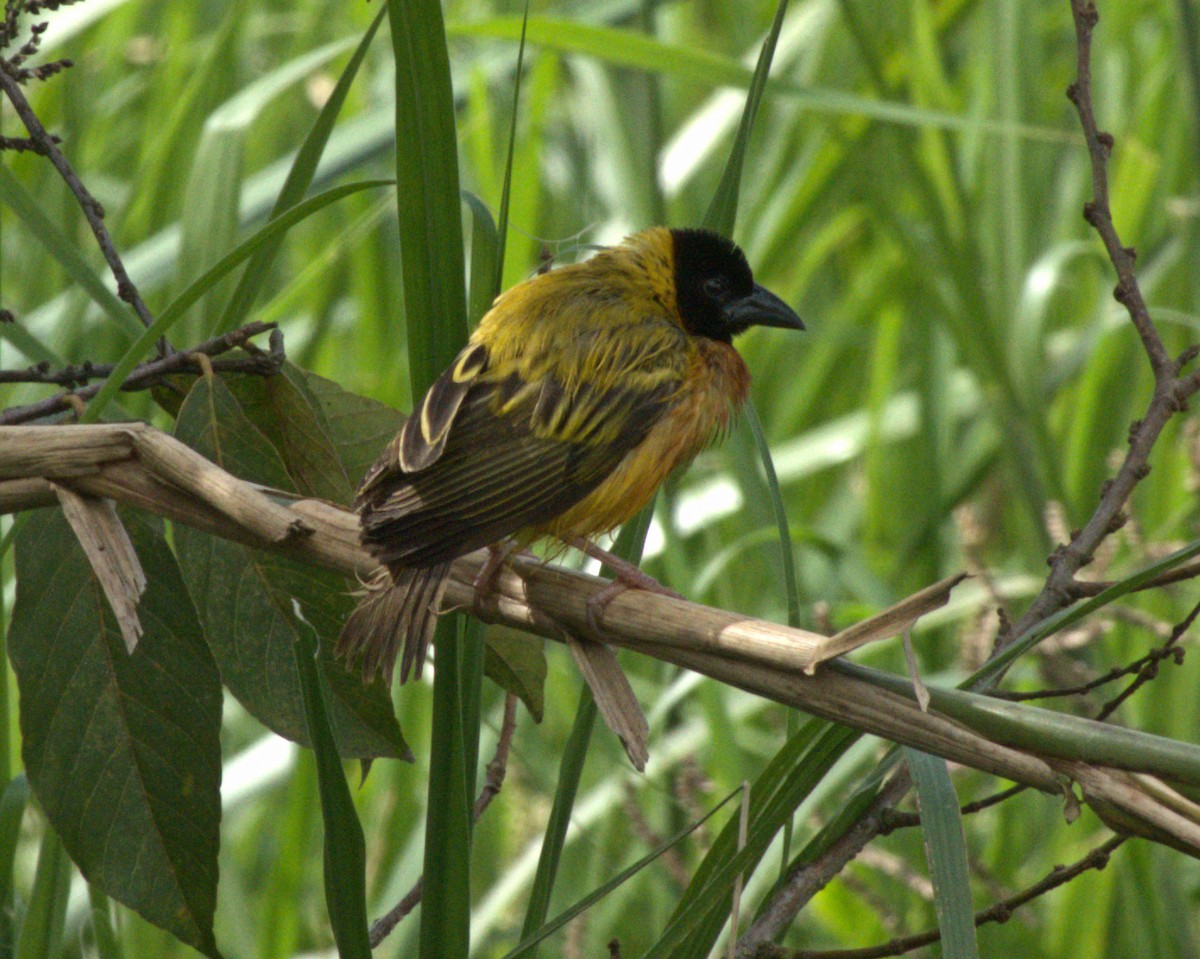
(398, 610)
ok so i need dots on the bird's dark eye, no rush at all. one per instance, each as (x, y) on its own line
(716, 286)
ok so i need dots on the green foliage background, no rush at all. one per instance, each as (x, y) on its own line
(913, 186)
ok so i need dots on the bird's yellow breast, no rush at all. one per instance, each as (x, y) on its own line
(713, 390)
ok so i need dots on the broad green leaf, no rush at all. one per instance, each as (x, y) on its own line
(516, 662)
(121, 749)
(244, 595)
(285, 413)
(358, 427)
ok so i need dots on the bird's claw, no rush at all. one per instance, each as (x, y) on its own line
(486, 600)
(598, 602)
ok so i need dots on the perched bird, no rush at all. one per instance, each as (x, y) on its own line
(579, 392)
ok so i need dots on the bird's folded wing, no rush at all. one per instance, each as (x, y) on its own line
(517, 454)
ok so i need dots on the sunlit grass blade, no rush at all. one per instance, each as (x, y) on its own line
(202, 284)
(722, 212)
(789, 778)
(41, 932)
(946, 849)
(628, 546)
(299, 178)
(628, 49)
(345, 848)
(530, 940)
(64, 251)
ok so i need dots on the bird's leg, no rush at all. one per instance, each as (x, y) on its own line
(484, 583)
(626, 575)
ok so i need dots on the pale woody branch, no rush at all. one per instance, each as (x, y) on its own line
(764, 658)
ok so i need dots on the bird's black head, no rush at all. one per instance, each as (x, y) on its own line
(716, 292)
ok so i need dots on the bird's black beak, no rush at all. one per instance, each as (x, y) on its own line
(762, 308)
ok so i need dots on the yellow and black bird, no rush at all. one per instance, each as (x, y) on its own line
(577, 395)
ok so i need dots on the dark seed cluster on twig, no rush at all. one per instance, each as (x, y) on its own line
(14, 64)
(41, 141)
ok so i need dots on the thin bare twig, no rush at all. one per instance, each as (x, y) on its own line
(10, 82)
(1001, 912)
(1144, 669)
(1150, 669)
(24, 145)
(1085, 588)
(1171, 390)
(892, 820)
(1061, 588)
(148, 374)
(496, 769)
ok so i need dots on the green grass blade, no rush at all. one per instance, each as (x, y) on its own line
(722, 212)
(12, 808)
(107, 946)
(431, 245)
(345, 848)
(787, 780)
(299, 178)
(485, 265)
(506, 190)
(530, 940)
(701, 67)
(446, 900)
(435, 307)
(41, 933)
(202, 284)
(570, 772)
(989, 674)
(628, 546)
(946, 849)
(58, 245)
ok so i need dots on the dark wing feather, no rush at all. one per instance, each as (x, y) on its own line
(423, 436)
(500, 472)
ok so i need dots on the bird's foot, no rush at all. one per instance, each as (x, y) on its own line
(626, 575)
(484, 584)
